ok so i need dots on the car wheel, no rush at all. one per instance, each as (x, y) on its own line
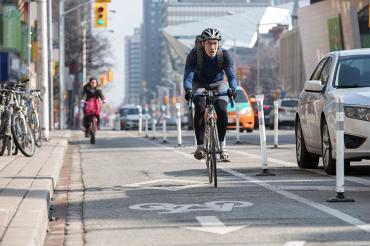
(271, 126)
(327, 151)
(241, 129)
(249, 130)
(304, 158)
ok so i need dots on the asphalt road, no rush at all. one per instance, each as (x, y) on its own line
(141, 192)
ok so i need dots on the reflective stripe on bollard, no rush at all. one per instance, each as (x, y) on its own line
(140, 120)
(261, 120)
(178, 114)
(276, 123)
(339, 120)
(237, 123)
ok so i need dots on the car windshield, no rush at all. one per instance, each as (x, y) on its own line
(240, 98)
(353, 72)
(127, 111)
(289, 103)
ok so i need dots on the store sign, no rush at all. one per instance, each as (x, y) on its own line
(12, 31)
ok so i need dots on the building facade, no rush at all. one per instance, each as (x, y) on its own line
(332, 25)
(151, 43)
(133, 67)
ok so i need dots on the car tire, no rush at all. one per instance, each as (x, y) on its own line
(241, 129)
(249, 130)
(271, 126)
(327, 151)
(304, 158)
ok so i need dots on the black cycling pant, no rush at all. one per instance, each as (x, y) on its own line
(199, 120)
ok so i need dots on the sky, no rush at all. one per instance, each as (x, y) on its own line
(129, 15)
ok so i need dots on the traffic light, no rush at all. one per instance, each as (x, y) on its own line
(110, 75)
(239, 73)
(100, 10)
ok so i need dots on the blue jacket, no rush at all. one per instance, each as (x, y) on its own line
(210, 71)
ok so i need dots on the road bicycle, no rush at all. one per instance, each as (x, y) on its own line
(212, 144)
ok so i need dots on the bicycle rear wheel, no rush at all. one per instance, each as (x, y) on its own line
(213, 154)
(22, 135)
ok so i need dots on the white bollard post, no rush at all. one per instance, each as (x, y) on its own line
(276, 123)
(261, 119)
(154, 122)
(178, 111)
(340, 152)
(237, 123)
(164, 124)
(140, 120)
(146, 121)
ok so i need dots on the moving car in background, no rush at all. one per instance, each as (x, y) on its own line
(246, 112)
(129, 117)
(287, 110)
(341, 73)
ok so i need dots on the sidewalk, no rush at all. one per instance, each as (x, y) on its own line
(26, 186)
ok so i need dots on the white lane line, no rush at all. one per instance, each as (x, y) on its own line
(293, 164)
(295, 243)
(333, 212)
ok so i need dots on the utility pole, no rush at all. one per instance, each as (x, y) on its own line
(61, 64)
(51, 84)
(43, 16)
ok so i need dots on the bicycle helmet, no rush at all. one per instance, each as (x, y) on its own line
(211, 33)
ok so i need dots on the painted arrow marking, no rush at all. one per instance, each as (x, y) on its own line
(212, 224)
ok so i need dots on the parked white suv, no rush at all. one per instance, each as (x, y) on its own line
(344, 73)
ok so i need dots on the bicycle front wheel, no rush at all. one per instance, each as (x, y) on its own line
(93, 127)
(22, 135)
(208, 155)
(36, 128)
(213, 154)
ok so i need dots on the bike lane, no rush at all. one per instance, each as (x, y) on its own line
(154, 195)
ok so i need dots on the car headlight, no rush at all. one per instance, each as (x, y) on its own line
(358, 113)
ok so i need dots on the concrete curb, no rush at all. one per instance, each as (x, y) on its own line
(29, 224)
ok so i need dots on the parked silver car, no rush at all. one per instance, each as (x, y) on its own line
(287, 111)
(341, 73)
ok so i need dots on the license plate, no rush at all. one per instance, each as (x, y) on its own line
(231, 120)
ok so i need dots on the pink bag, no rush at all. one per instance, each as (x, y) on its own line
(92, 107)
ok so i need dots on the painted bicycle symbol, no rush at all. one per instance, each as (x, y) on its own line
(168, 208)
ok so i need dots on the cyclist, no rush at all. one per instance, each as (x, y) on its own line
(205, 67)
(90, 90)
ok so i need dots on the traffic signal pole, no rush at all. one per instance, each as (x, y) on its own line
(43, 20)
(62, 15)
(61, 64)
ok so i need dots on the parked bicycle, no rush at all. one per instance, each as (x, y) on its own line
(15, 132)
(212, 144)
(33, 100)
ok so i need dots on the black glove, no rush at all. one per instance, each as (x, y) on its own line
(188, 94)
(232, 93)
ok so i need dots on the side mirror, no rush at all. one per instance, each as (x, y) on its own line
(313, 85)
